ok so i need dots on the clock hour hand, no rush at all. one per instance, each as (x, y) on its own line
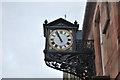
(59, 36)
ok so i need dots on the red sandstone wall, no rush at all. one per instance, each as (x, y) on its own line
(111, 38)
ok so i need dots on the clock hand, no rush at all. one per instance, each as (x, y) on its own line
(59, 36)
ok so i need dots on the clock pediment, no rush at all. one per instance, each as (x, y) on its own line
(61, 22)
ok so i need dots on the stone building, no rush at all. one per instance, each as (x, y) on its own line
(102, 24)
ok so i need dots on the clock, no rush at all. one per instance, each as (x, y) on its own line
(60, 39)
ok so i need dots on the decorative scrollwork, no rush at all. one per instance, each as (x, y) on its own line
(81, 65)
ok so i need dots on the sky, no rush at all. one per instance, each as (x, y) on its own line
(0, 40)
(22, 36)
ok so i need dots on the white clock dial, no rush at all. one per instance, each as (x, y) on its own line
(60, 39)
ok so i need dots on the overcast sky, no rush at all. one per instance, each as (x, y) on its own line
(0, 40)
(22, 36)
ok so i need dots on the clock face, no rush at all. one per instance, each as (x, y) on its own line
(60, 39)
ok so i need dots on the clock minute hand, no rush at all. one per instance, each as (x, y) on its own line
(59, 36)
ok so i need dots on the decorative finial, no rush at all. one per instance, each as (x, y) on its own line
(75, 22)
(65, 16)
(46, 21)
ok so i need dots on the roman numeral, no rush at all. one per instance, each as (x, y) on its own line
(56, 45)
(68, 35)
(53, 43)
(52, 39)
(61, 32)
(69, 39)
(60, 46)
(68, 43)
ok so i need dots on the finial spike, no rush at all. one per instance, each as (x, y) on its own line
(65, 16)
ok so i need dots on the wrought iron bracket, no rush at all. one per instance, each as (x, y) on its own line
(79, 63)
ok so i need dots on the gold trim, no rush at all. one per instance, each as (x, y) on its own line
(50, 47)
(70, 31)
(70, 48)
(61, 45)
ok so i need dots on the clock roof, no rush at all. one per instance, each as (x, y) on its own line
(61, 22)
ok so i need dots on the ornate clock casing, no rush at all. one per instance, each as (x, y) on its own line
(60, 35)
(65, 51)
